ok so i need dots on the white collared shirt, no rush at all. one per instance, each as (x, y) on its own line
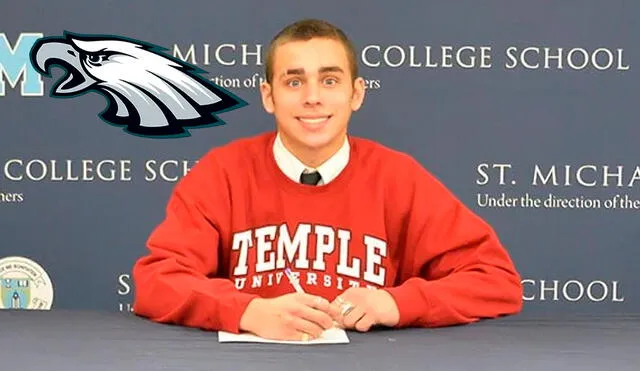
(292, 167)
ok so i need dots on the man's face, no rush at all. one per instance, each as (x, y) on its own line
(312, 95)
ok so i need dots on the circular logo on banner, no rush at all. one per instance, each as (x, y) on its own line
(24, 284)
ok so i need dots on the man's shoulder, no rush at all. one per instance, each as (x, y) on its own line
(245, 148)
(397, 169)
(373, 152)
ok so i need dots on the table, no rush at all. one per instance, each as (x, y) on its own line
(80, 340)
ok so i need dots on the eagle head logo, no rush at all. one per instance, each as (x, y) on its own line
(149, 93)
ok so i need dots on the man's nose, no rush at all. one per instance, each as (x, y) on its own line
(312, 93)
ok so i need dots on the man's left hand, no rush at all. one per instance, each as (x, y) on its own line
(361, 308)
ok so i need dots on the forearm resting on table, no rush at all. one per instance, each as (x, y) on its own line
(459, 298)
(168, 293)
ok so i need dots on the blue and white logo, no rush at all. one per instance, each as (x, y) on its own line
(15, 67)
(149, 92)
(24, 284)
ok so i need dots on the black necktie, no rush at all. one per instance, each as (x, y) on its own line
(310, 178)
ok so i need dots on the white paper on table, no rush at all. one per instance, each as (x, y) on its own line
(331, 336)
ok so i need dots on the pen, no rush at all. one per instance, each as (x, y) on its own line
(296, 285)
(294, 282)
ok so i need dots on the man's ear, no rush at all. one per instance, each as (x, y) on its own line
(358, 93)
(267, 97)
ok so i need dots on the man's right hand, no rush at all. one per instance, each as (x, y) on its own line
(289, 317)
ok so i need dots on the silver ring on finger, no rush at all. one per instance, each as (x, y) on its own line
(347, 308)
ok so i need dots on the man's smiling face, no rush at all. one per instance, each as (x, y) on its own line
(312, 95)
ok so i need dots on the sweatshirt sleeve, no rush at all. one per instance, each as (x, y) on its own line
(177, 281)
(454, 268)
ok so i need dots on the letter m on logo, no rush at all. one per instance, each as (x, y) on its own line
(15, 65)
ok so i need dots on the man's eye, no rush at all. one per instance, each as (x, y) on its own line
(330, 81)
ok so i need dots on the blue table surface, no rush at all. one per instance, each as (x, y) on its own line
(82, 340)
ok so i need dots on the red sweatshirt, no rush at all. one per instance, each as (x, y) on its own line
(235, 222)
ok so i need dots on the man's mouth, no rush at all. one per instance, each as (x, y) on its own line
(314, 120)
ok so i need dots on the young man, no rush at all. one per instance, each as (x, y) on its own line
(373, 237)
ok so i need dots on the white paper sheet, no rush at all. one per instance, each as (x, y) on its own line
(330, 336)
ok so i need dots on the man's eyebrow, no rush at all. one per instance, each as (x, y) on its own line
(331, 69)
(300, 71)
(294, 71)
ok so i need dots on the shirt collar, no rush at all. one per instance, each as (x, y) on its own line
(292, 167)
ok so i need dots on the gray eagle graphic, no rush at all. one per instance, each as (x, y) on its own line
(150, 93)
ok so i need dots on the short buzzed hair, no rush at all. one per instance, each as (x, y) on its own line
(307, 29)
